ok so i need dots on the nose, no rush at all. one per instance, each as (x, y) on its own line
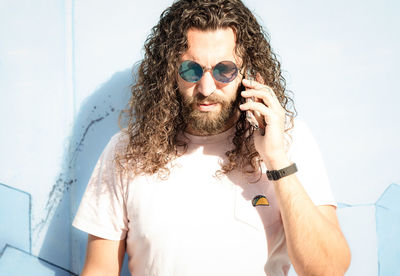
(206, 85)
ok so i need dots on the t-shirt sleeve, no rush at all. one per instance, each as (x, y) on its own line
(102, 211)
(312, 174)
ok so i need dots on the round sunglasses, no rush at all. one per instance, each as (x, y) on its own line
(224, 71)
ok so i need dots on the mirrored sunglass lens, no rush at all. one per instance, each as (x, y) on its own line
(225, 71)
(190, 71)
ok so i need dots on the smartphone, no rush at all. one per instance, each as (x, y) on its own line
(251, 115)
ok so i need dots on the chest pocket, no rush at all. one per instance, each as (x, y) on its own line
(265, 213)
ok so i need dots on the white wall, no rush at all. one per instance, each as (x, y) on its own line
(65, 71)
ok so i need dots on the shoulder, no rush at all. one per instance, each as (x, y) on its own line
(300, 128)
(299, 134)
(115, 150)
(305, 152)
(117, 143)
(301, 141)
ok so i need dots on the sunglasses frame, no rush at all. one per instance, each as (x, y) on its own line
(205, 69)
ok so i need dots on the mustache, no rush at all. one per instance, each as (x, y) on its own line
(200, 98)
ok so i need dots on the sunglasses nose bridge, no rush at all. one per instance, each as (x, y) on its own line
(206, 85)
(207, 69)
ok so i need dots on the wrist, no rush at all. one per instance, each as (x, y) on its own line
(278, 174)
(276, 161)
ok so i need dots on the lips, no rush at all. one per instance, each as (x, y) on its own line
(206, 106)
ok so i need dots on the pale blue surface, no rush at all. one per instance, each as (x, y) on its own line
(358, 224)
(15, 262)
(388, 231)
(15, 218)
(65, 75)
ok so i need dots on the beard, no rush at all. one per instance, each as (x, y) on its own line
(212, 122)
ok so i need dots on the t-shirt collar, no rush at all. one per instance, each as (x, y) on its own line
(211, 139)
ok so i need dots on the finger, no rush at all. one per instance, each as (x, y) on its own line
(264, 96)
(254, 84)
(266, 115)
(261, 108)
(250, 84)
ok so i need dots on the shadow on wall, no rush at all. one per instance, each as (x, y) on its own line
(95, 124)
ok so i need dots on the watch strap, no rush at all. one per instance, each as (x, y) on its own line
(278, 174)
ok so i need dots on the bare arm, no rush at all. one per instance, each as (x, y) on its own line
(103, 257)
(315, 243)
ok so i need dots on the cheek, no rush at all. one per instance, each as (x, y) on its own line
(185, 88)
(231, 91)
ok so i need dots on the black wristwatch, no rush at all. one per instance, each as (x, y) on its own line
(278, 174)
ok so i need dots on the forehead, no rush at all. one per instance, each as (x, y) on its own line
(211, 46)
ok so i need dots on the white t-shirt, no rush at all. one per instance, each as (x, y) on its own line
(195, 223)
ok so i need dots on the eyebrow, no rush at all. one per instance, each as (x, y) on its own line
(202, 65)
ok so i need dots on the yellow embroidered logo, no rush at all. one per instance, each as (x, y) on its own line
(260, 200)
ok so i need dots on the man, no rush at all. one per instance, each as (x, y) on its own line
(183, 189)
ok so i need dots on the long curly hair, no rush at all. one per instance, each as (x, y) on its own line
(154, 118)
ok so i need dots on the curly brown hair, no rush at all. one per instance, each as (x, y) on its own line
(154, 117)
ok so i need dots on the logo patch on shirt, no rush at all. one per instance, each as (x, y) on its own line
(260, 200)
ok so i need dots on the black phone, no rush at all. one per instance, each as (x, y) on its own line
(251, 115)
